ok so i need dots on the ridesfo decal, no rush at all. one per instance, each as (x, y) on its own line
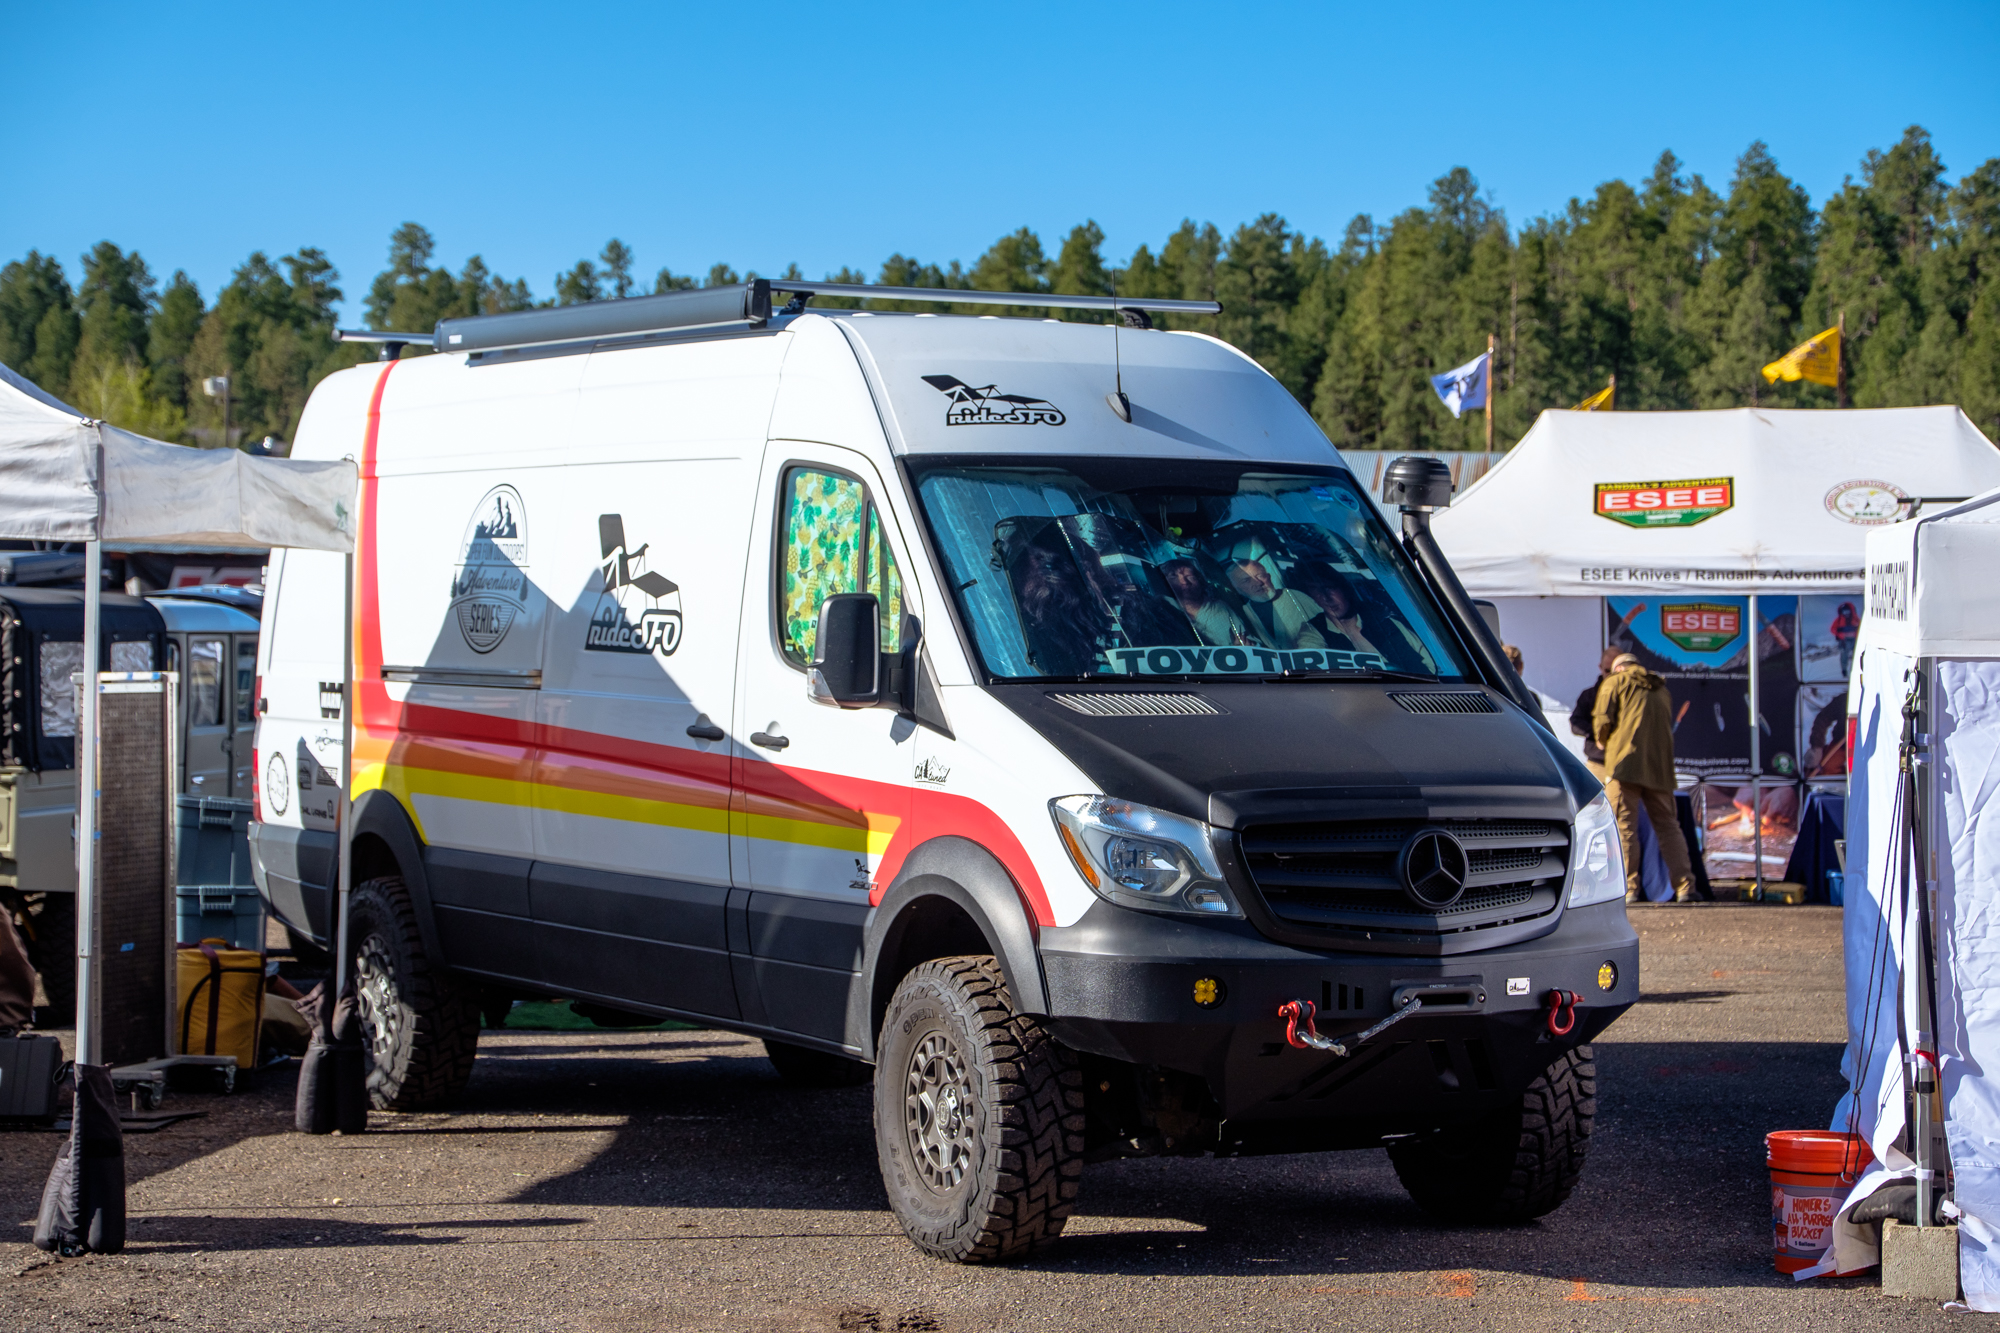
(1664, 504)
(1866, 503)
(990, 407)
(638, 610)
(490, 588)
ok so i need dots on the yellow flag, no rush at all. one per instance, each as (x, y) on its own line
(1601, 401)
(1816, 360)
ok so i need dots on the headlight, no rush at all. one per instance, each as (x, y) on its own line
(1136, 856)
(1598, 865)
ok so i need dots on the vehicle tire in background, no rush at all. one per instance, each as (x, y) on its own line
(420, 1027)
(978, 1116)
(804, 1067)
(50, 935)
(1516, 1166)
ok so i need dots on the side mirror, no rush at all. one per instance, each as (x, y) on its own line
(848, 672)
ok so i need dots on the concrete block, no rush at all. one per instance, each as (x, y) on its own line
(1921, 1262)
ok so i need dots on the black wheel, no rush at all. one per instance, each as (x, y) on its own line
(51, 941)
(807, 1068)
(1514, 1167)
(419, 1026)
(978, 1116)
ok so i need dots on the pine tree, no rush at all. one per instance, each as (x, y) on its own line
(170, 335)
(617, 261)
(38, 326)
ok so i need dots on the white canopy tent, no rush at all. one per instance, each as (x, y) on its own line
(1930, 642)
(1746, 501)
(67, 478)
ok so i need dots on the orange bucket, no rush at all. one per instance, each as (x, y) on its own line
(1812, 1171)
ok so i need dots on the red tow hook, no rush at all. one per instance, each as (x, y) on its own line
(1295, 1012)
(1559, 1000)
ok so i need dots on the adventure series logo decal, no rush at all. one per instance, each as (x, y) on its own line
(1664, 504)
(1866, 503)
(639, 609)
(990, 407)
(1701, 627)
(490, 588)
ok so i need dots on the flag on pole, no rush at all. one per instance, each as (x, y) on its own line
(1463, 389)
(1816, 360)
(1601, 401)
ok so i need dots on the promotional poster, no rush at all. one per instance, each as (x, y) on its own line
(1699, 644)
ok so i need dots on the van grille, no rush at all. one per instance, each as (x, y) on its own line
(1443, 701)
(1339, 876)
(1139, 705)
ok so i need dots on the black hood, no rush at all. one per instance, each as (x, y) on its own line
(1287, 750)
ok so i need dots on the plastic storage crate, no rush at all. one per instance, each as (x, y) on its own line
(215, 897)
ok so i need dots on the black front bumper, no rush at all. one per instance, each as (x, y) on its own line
(1123, 985)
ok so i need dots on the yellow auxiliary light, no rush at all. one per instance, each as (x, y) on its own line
(1208, 992)
(1607, 976)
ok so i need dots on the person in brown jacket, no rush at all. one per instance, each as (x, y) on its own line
(1633, 721)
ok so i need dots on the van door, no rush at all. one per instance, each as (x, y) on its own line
(210, 725)
(824, 789)
(243, 708)
(631, 814)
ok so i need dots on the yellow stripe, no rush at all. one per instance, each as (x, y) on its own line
(404, 782)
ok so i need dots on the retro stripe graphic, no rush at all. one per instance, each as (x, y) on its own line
(412, 750)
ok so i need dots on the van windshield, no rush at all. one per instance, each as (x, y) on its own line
(1091, 567)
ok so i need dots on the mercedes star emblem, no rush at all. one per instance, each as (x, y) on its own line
(1433, 867)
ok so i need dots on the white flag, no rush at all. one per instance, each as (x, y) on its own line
(1464, 388)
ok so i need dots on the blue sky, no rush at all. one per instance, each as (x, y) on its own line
(765, 133)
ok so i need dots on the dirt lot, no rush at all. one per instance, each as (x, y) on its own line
(668, 1181)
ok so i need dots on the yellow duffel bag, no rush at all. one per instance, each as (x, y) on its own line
(221, 1000)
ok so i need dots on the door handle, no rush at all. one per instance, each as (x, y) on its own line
(770, 740)
(704, 730)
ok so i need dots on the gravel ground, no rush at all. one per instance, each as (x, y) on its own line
(666, 1180)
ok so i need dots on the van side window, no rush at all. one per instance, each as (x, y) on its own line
(204, 682)
(833, 544)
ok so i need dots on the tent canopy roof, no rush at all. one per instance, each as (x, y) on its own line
(53, 489)
(1739, 501)
(1932, 585)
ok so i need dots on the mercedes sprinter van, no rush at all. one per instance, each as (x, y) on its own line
(1034, 717)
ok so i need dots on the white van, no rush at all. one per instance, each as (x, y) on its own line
(1037, 712)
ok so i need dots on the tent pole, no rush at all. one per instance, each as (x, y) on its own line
(344, 809)
(1756, 765)
(86, 811)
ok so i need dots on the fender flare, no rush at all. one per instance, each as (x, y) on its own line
(378, 814)
(971, 878)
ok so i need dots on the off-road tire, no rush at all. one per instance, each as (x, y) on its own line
(52, 949)
(420, 1028)
(1516, 1166)
(1009, 1180)
(803, 1067)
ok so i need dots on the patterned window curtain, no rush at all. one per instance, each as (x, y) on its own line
(885, 582)
(823, 552)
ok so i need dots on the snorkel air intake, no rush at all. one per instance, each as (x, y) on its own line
(1419, 487)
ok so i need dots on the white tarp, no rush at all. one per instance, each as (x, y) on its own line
(1740, 501)
(50, 489)
(1931, 607)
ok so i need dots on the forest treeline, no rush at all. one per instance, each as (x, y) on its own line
(1682, 290)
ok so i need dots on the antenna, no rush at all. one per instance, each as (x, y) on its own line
(1117, 401)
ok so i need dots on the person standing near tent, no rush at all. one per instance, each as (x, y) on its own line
(1583, 718)
(1633, 721)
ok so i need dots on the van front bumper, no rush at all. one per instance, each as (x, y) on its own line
(1203, 997)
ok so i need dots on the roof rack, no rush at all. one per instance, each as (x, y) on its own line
(739, 305)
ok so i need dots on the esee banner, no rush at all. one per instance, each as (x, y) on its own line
(1699, 644)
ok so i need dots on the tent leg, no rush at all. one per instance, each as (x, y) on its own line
(1756, 764)
(86, 810)
(344, 809)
